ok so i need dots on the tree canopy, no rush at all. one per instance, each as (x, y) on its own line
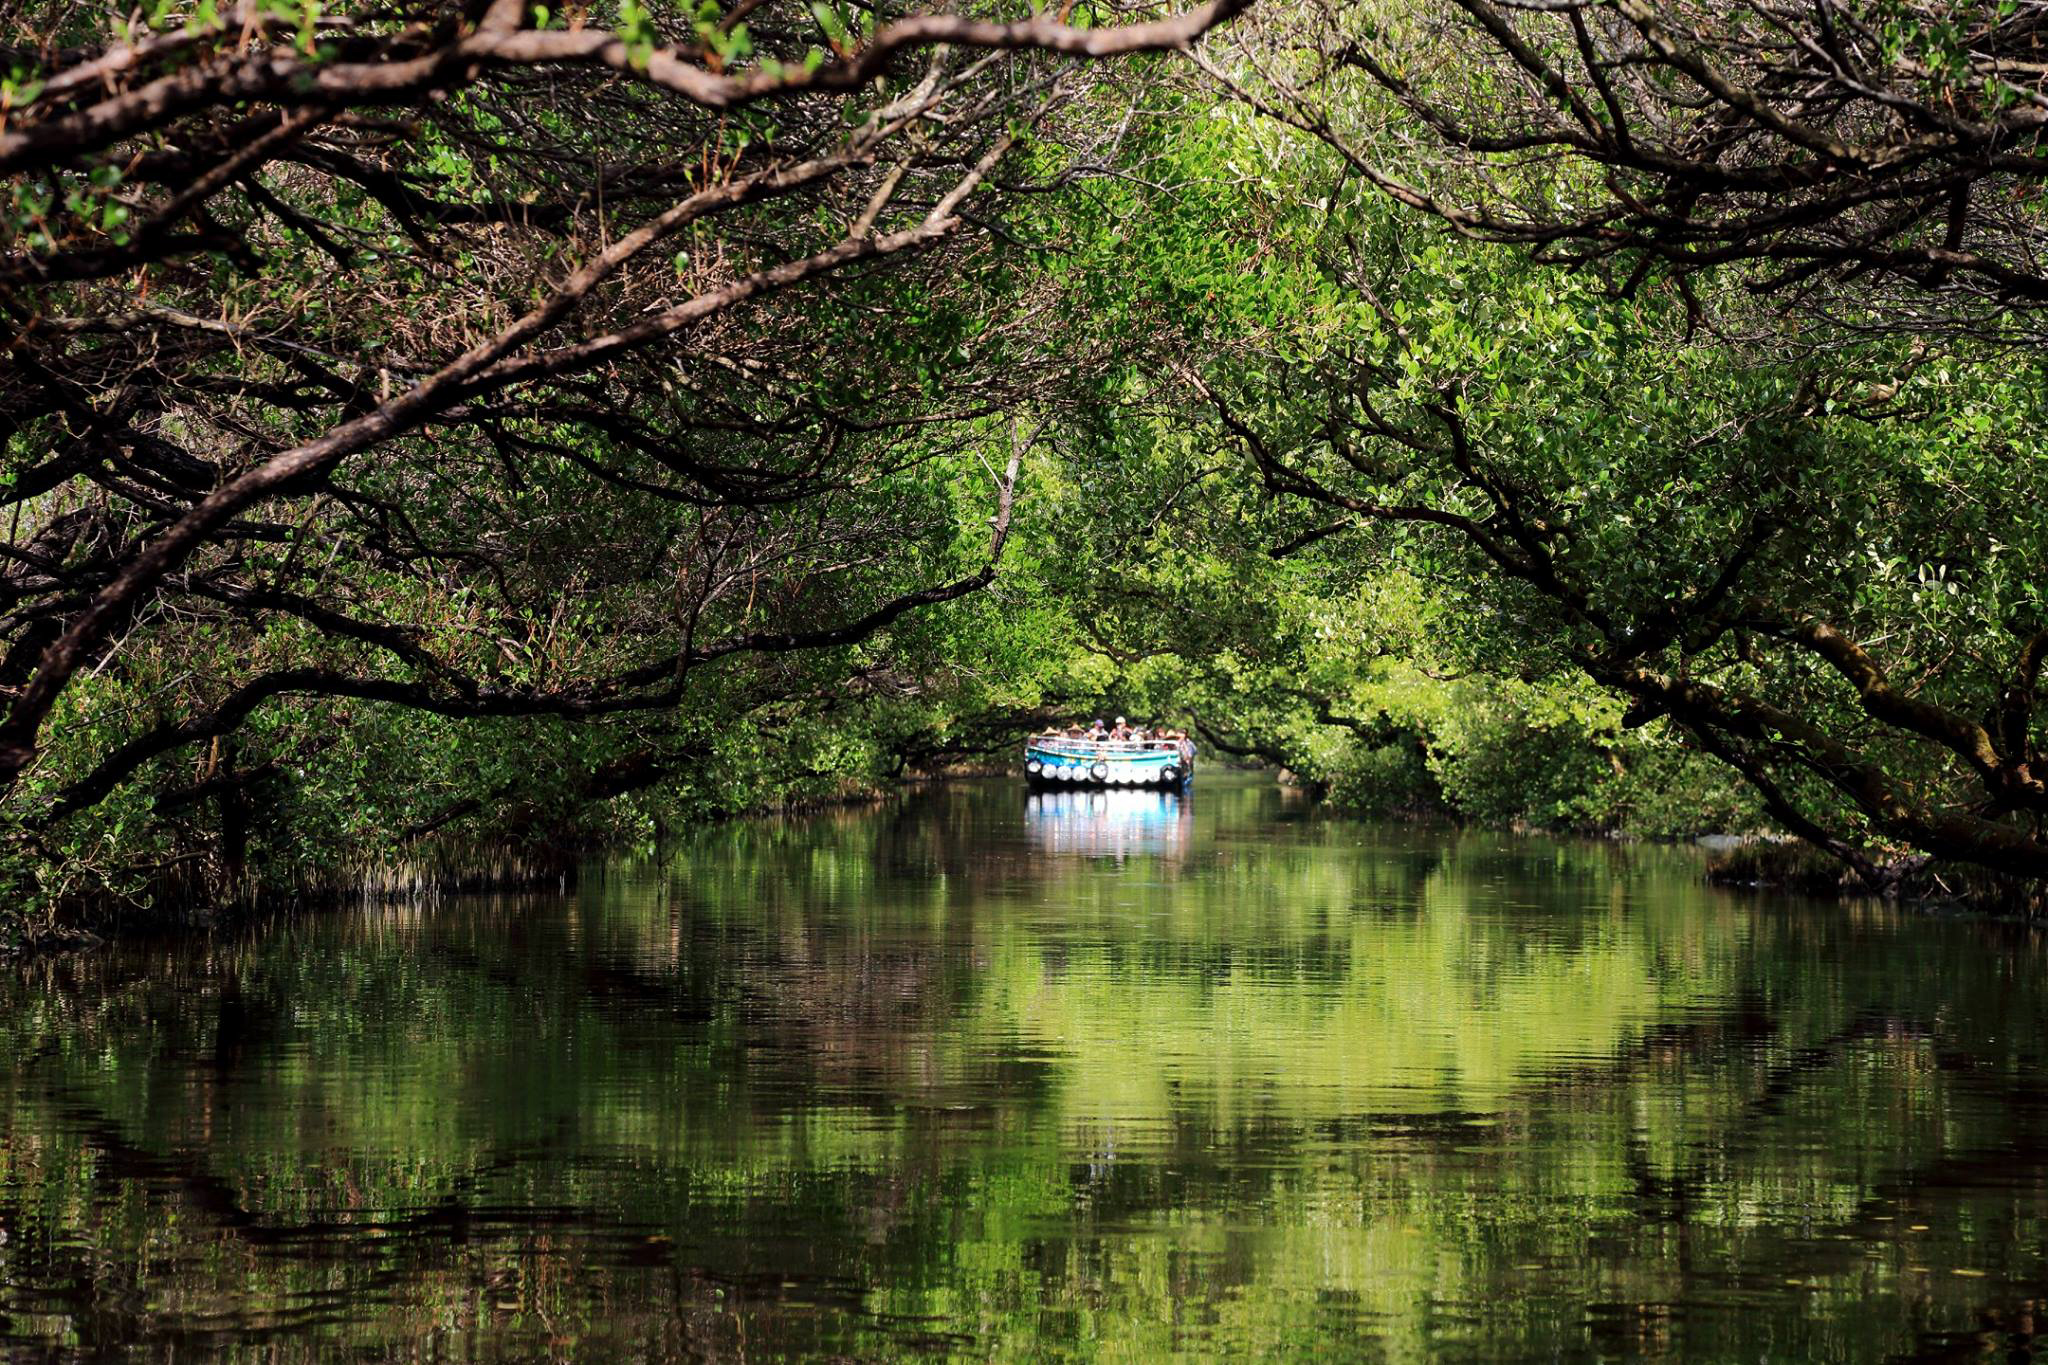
(494, 363)
(507, 423)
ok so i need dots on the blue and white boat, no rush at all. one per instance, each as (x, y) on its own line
(1052, 761)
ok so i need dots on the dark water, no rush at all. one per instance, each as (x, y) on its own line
(1128, 1081)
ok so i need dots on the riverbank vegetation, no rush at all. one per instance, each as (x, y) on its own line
(502, 424)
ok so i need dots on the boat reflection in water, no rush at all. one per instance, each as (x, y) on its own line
(1109, 822)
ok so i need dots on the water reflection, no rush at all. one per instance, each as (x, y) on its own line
(898, 1080)
(1115, 822)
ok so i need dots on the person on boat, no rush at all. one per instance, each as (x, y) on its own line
(1074, 731)
(1098, 731)
(1122, 731)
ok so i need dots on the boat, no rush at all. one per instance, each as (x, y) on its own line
(1055, 761)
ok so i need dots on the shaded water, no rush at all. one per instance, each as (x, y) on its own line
(1119, 1078)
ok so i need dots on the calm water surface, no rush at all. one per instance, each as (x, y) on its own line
(971, 1076)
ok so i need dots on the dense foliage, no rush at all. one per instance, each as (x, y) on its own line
(1807, 532)
(390, 385)
(476, 423)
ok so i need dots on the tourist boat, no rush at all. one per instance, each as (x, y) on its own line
(1051, 761)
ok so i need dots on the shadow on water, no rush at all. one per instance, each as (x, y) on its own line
(998, 1077)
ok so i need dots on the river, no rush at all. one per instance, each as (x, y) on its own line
(1118, 1077)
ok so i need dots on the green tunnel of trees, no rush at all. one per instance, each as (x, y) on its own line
(446, 424)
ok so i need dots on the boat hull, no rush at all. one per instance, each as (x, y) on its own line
(1078, 763)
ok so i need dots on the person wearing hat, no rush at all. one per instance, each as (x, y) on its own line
(1122, 731)
(1098, 731)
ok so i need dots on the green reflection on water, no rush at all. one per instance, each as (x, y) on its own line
(1119, 1079)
